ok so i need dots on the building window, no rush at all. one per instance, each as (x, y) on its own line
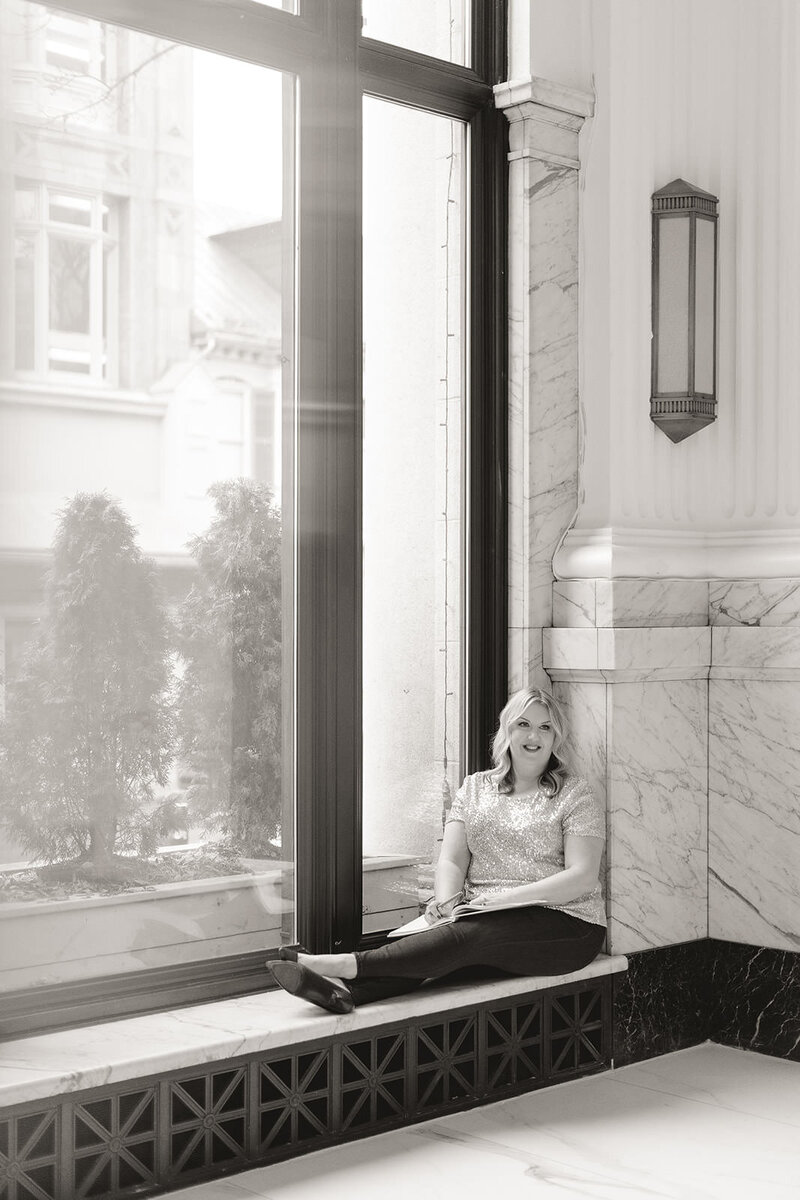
(75, 44)
(65, 282)
(289, 274)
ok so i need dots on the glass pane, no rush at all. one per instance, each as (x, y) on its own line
(71, 210)
(673, 305)
(69, 285)
(414, 252)
(68, 43)
(25, 265)
(439, 28)
(25, 202)
(66, 358)
(146, 769)
(704, 308)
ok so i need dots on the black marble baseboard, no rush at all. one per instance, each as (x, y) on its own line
(709, 990)
(661, 1003)
(755, 998)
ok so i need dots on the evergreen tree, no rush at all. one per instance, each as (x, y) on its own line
(229, 695)
(89, 726)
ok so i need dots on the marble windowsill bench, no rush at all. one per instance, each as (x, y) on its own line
(74, 1060)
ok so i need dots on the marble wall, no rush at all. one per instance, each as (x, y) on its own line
(637, 699)
(683, 694)
(688, 728)
(754, 763)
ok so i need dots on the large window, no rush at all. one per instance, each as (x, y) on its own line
(251, 481)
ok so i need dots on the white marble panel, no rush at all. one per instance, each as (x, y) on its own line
(585, 707)
(755, 602)
(570, 649)
(575, 603)
(630, 603)
(624, 649)
(737, 646)
(610, 650)
(652, 602)
(657, 813)
(754, 813)
(73, 1059)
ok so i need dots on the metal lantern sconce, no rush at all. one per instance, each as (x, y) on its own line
(684, 348)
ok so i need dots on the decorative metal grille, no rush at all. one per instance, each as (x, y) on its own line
(447, 1063)
(514, 1047)
(577, 1033)
(29, 1156)
(114, 1142)
(137, 1138)
(294, 1101)
(208, 1121)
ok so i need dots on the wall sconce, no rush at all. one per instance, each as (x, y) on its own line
(684, 348)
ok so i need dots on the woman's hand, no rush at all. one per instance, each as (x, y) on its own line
(436, 910)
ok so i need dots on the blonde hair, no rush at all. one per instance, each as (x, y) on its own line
(557, 769)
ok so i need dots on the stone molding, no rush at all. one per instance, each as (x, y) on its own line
(615, 553)
(545, 119)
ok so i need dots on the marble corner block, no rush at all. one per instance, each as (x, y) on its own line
(575, 603)
(754, 652)
(657, 813)
(631, 603)
(525, 660)
(754, 812)
(617, 654)
(760, 602)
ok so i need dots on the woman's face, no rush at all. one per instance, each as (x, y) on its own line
(532, 737)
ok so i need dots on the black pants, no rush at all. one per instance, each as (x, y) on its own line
(520, 941)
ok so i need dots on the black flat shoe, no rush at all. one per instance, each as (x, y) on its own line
(308, 985)
(290, 953)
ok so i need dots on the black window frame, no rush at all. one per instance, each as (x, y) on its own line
(322, 45)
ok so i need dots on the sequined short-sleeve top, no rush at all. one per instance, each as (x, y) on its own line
(515, 840)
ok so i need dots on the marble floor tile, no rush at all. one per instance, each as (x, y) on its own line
(708, 1123)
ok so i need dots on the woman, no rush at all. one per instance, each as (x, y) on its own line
(528, 832)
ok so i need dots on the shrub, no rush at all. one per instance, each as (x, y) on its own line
(229, 694)
(89, 727)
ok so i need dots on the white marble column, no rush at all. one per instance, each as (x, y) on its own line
(545, 120)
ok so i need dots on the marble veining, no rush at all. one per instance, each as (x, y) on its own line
(754, 813)
(663, 1003)
(677, 996)
(754, 646)
(707, 1123)
(543, 364)
(610, 650)
(630, 603)
(657, 814)
(755, 602)
(755, 998)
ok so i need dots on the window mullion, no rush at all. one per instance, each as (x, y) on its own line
(328, 516)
